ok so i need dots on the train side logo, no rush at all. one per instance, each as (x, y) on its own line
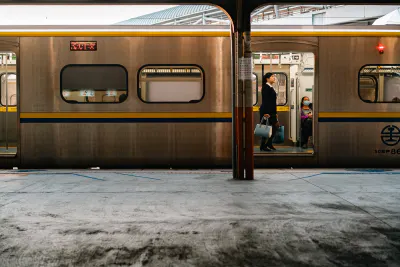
(390, 135)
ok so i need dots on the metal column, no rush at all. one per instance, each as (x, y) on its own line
(243, 153)
(239, 108)
(243, 115)
(234, 68)
(248, 92)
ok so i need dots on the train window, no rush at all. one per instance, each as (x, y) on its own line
(280, 87)
(171, 84)
(8, 89)
(379, 83)
(94, 84)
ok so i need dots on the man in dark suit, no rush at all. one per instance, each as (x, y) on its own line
(268, 110)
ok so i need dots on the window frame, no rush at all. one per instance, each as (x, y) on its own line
(376, 87)
(256, 89)
(101, 65)
(1, 76)
(377, 84)
(203, 75)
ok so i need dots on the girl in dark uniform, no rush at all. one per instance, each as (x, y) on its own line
(268, 110)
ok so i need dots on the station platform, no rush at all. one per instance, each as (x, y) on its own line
(285, 217)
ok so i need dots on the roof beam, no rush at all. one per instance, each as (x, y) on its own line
(197, 22)
(192, 16)
(217, 20)
(261, 10)
(276, 11)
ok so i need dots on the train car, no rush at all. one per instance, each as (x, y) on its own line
(351, 76)
(147, 97)
(116, 97)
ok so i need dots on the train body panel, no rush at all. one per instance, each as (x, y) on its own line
(354, 136)
(124, 145)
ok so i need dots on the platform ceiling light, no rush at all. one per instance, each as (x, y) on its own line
(381, 48)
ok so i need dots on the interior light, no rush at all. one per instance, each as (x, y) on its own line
(381, 48)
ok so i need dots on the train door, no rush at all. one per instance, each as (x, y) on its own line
(8, 104)
(294, 86)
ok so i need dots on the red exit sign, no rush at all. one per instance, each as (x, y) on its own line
(83, 46)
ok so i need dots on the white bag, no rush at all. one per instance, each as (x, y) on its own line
(263, 130)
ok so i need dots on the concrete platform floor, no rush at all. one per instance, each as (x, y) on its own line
(199, 218)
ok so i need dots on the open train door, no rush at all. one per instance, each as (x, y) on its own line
(292, 60)
(8, 102)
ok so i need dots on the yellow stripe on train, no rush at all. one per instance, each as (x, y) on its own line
(359, 114)
(124, 115)
(321, 33)
(278, 108)
(222, 33)
(148, 33)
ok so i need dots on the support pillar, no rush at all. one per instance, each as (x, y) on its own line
(239, 108)
(243, 108)
(242, 93)
(234, 69)
(249, 128)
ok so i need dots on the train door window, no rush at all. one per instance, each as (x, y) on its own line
(255, 89)
(9, 91)
(8, 102)
(294, 82)
(171, 84)
(85, 84)
(379, 83)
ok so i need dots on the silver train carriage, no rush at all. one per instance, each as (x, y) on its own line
(147, 97)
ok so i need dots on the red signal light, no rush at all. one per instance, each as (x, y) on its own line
(381, 48)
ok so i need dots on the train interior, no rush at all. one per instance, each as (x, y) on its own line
(8, 116)
(295, 79)
(174, 84)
